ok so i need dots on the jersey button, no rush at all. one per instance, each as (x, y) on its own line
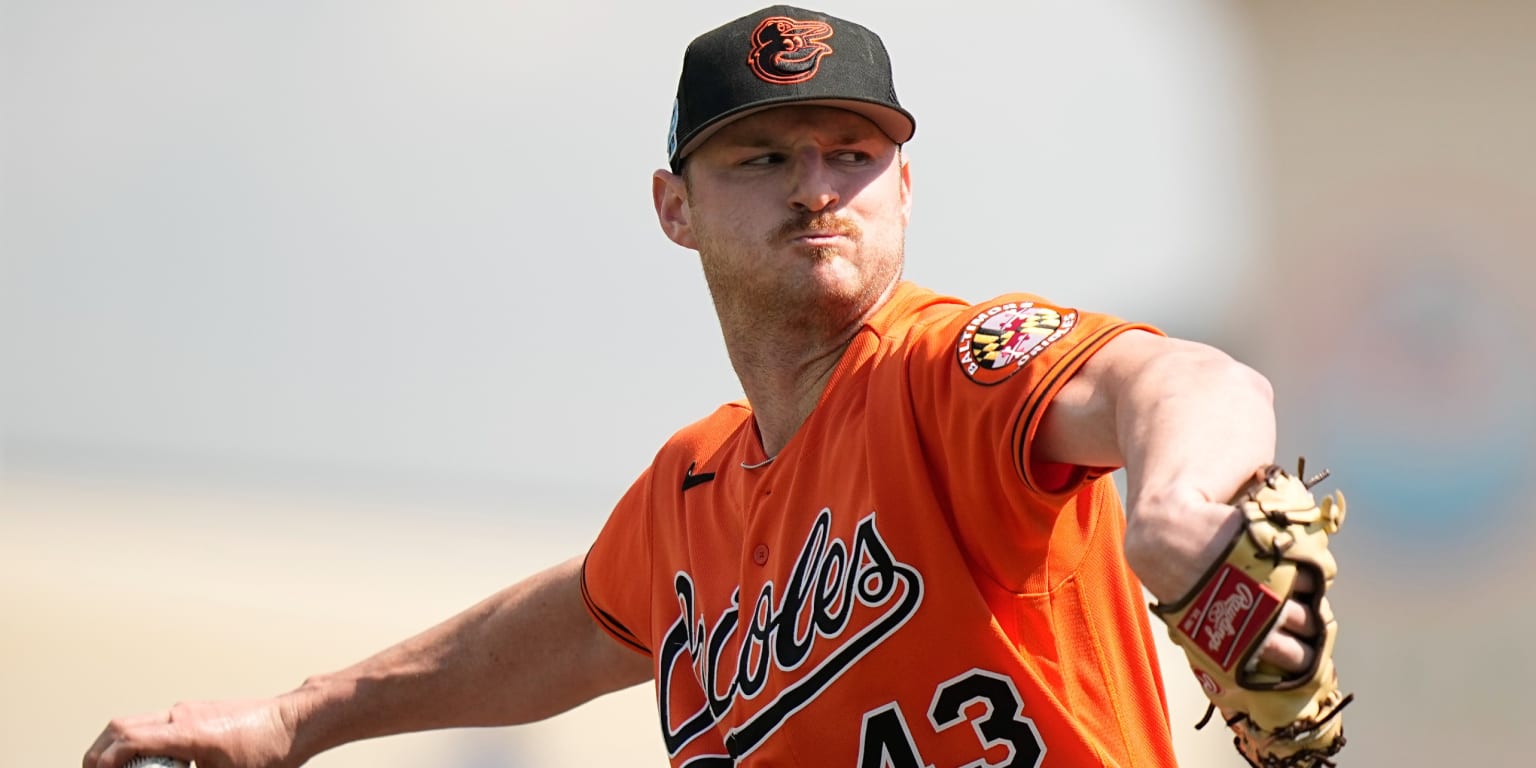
(760, 554)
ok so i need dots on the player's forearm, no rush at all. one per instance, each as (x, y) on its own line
(1192, 427)
(1194, 418)
(524, 654)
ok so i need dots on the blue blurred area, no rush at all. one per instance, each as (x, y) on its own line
(1423, 397)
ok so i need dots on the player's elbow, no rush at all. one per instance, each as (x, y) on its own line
(1194, 367)
(1242, 379)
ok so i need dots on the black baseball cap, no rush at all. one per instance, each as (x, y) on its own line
(782, 55)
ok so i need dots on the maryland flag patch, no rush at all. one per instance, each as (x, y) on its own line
(999, 340)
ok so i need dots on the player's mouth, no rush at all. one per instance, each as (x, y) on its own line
(821, 239)
(823, 231)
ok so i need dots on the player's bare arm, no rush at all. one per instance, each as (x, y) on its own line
(1190, 425)
(534, 638)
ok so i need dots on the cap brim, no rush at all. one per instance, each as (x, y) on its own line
(895, 123)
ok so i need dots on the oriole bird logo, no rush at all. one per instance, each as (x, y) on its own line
(786, 51)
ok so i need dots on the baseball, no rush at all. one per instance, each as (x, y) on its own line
(155, 762)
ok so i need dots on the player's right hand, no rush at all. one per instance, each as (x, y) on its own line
(215, 734)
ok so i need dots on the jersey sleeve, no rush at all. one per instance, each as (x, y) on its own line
(615, 578)
(985, 377)
(980, 381)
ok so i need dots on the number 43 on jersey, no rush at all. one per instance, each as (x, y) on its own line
(886, 740)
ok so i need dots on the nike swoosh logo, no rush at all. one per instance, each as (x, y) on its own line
(690, 479)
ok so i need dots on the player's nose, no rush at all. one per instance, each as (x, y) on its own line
(812, 186)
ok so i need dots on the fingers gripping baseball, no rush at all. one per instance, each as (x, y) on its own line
(1292, 645)
(237, 734)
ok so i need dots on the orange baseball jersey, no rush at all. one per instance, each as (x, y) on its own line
(903, 585)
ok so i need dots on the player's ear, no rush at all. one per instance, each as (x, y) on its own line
(669, 191)
(906, 185)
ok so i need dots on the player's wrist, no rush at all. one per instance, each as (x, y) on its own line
(311, 715)
(1173, 536)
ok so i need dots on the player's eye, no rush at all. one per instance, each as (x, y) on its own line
(770, 158)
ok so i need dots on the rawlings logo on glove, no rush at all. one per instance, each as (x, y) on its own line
(1281, 719)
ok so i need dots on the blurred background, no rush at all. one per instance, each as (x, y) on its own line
(321, 321)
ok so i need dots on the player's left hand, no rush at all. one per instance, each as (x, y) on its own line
(1170, 546)
(1257, 627)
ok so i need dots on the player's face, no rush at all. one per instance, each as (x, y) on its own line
(800, 211)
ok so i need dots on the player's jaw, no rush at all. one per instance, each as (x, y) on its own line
(820, 283)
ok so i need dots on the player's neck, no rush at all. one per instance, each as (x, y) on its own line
(785, 367)
(783, 389)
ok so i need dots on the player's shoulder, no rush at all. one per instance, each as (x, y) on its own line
(705, 436)
(720, 422)
(990, 341)
(935, 319)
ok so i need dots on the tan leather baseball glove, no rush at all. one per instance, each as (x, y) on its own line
(1281, 720)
